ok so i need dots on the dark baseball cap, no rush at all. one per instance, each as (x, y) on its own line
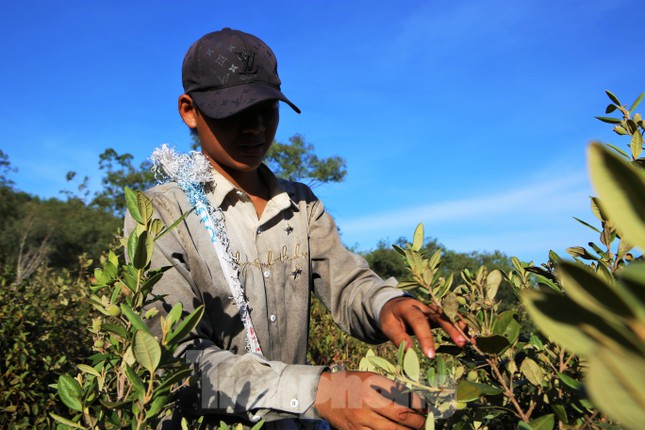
(227, 71)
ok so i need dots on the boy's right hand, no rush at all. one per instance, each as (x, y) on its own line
(360, 400)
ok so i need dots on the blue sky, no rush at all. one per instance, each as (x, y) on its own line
(471, 117)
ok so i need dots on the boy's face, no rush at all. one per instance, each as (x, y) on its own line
(240, 142)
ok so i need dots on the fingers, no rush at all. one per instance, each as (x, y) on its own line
(404, 314)
(354, 400)
(400, 405)
(417, 320)
(454, 332)
(395, 406)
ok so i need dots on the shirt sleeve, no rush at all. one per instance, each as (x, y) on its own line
(344, 282)
(244, 385)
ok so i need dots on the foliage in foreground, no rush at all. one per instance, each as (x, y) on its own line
(329, 346)
(133, 376)
(592, 311)
(42, 334)
(601, 314)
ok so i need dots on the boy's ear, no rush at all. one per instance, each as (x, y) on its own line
(187, 110)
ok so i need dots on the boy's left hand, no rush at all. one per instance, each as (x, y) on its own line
(403, 316)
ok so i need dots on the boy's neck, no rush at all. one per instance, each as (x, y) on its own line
(251, 183)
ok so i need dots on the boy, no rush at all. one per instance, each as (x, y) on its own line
(255, 250)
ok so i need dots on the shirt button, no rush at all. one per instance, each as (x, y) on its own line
(273, 318)
(294, 403)
(267, 273)
(259, 230)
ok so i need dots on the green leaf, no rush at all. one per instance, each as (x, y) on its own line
(545, 422)
(151, 281)
(411, 365)
(620, 130)
(133, 241)
(636, 144)
(143, 250)
(616, 384)
(580, 251)
(258, 425)
(115, 329)
(65, 421)
(608, 119)
(176, 378)
(146, 350)
(407, 285)
(569, 381)
(450, 306)
(145, 206)
(400, 354)
(610, 108)
(493, 281)
(587, 225)
(383, 364)
(132, 205)
(429, 422)
(536, 342)
(186, 326)
(621, 190)
(175, 313)
(632, 282)
(468, 391)
(618, 150)
(174, 224)
(613, 98)
(398, 249)
(134, 319)
(365, 364)
(435, 260)
(70, 392)
(109, 271)
(596, 210)
(156, 405)
(494, 344)
(532, 371)
(560, 411)
(569, 324)
(592, 292)
(88, 369)
(417, 241)
(552, 314)
(151, 313)
(636, 103)
(136, 381)
(506, 325)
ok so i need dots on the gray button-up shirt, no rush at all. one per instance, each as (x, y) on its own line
(293, 250)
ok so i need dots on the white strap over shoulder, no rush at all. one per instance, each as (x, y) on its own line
(191, 172)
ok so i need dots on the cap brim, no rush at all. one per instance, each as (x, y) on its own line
(224, 102)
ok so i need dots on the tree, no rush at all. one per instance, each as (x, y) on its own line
(386, 262)
(298, 162)
(119, 173)
(5, 169)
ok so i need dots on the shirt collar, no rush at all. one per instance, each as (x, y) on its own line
(222, 187)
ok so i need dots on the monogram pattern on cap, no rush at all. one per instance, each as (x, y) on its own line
(248, 63)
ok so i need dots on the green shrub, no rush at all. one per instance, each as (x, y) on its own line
(600, 315)
(42, 334)
(132, 378)
(592, 309)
